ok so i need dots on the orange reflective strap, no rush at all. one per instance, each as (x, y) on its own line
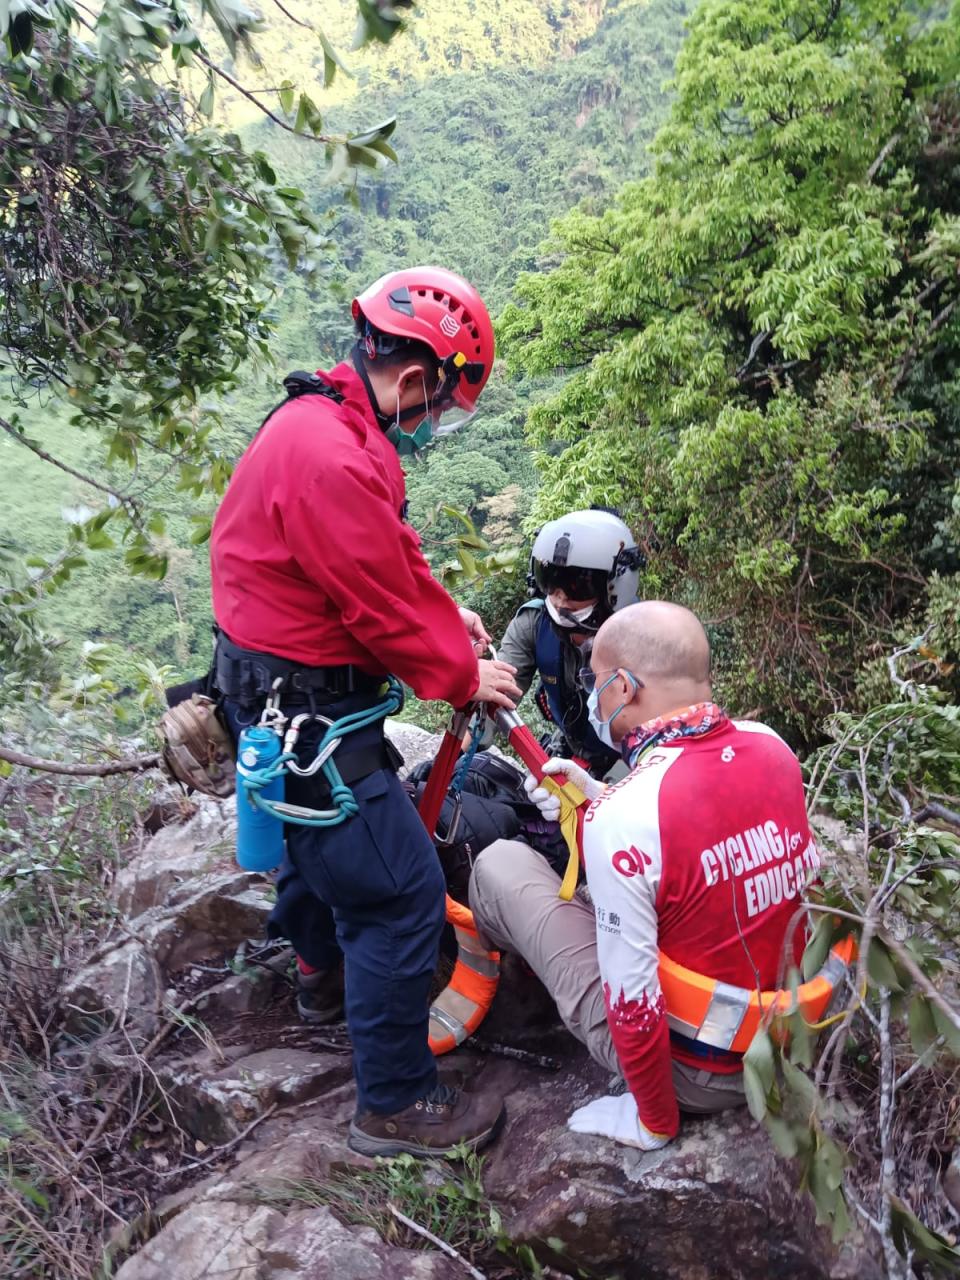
(465, 1001)
(728, 1017)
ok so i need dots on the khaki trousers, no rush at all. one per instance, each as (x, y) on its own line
(513, 895)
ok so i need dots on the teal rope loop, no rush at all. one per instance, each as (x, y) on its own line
(343, 802)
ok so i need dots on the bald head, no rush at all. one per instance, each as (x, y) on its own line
(662, 644)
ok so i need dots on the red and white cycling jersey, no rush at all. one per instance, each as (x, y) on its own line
(702, 853)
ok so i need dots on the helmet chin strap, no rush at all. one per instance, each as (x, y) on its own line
(385, 422)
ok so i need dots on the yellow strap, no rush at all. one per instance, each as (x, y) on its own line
(571, 798)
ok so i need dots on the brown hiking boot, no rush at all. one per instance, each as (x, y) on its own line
(434, 1125)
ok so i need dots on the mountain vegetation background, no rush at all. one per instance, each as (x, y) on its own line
(512, 113)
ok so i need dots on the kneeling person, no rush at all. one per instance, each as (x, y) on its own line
(701, 852)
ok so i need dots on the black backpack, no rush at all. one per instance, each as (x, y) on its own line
(494, 806)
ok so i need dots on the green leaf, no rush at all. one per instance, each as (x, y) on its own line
(822, 1184)
(781, 1134)
(205, 105)
(818, 948)
(841, 1221)
(933, 1247)
(758, 1073)
(456, 514)
(287, 92)
(30, 1192)
(331, 62)
(947, 1028)
(801, 1089)
(880, 967)
(376, 132)
(468, 562)
(923, 1029)
(201, 531)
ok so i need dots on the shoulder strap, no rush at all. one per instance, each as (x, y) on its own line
(535, 603)
(299, 383)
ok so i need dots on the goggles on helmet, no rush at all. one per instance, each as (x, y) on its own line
(574, 582)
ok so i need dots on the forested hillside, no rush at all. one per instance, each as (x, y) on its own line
(505, 122)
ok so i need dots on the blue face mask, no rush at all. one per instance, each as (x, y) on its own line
(407, 443)
(602, 727)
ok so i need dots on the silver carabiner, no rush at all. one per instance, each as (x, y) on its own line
(453, 826)
(272, 717)
(321, 757)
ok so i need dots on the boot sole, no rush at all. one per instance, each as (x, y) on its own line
(366, 1145)
(319, 1017)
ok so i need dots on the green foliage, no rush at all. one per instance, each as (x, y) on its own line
(764, 337)
(839, 1103)
(471, 156)
(140, 246)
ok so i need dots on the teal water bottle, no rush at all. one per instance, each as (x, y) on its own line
(259, 834)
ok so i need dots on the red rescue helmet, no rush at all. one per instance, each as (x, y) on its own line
(442, 310)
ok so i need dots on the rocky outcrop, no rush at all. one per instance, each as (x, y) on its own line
(414, 744)
(717, 1204)
(243, 1242)
(216, 1101)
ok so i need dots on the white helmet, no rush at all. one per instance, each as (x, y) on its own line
(589, 555)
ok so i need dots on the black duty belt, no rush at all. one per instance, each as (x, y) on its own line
(246, 676)
(314, 792)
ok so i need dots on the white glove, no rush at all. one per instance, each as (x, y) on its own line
(590, 787)
(617, 1118)
(548, 802)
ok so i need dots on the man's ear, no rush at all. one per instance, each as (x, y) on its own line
(628, 687)
(412, 375)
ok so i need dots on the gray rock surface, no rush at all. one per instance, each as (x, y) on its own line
(177, 855)
(215, 1102)
(123, 989)
(414, 744)
(247, 1242)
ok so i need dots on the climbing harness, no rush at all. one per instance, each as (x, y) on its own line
(265, 755)
(725, 1017)
(343, 802)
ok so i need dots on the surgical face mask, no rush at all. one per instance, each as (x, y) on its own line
(568, 618)
(602, 727)
(408, 443)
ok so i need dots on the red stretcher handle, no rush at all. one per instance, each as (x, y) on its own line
(441, 772)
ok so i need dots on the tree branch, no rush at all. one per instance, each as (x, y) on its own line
(448, 1249)
(910, 358)
(251, 97)
(884, 152)
(287, 14)
(128, 502)
(136, 764)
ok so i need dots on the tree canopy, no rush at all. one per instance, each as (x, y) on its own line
(140, 243)
(761, 338)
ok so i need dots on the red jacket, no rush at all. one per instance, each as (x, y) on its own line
(311, 558)
(701, 852)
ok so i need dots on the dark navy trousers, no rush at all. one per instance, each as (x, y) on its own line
(372, 889)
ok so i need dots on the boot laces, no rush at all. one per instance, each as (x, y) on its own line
(441, 1095)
